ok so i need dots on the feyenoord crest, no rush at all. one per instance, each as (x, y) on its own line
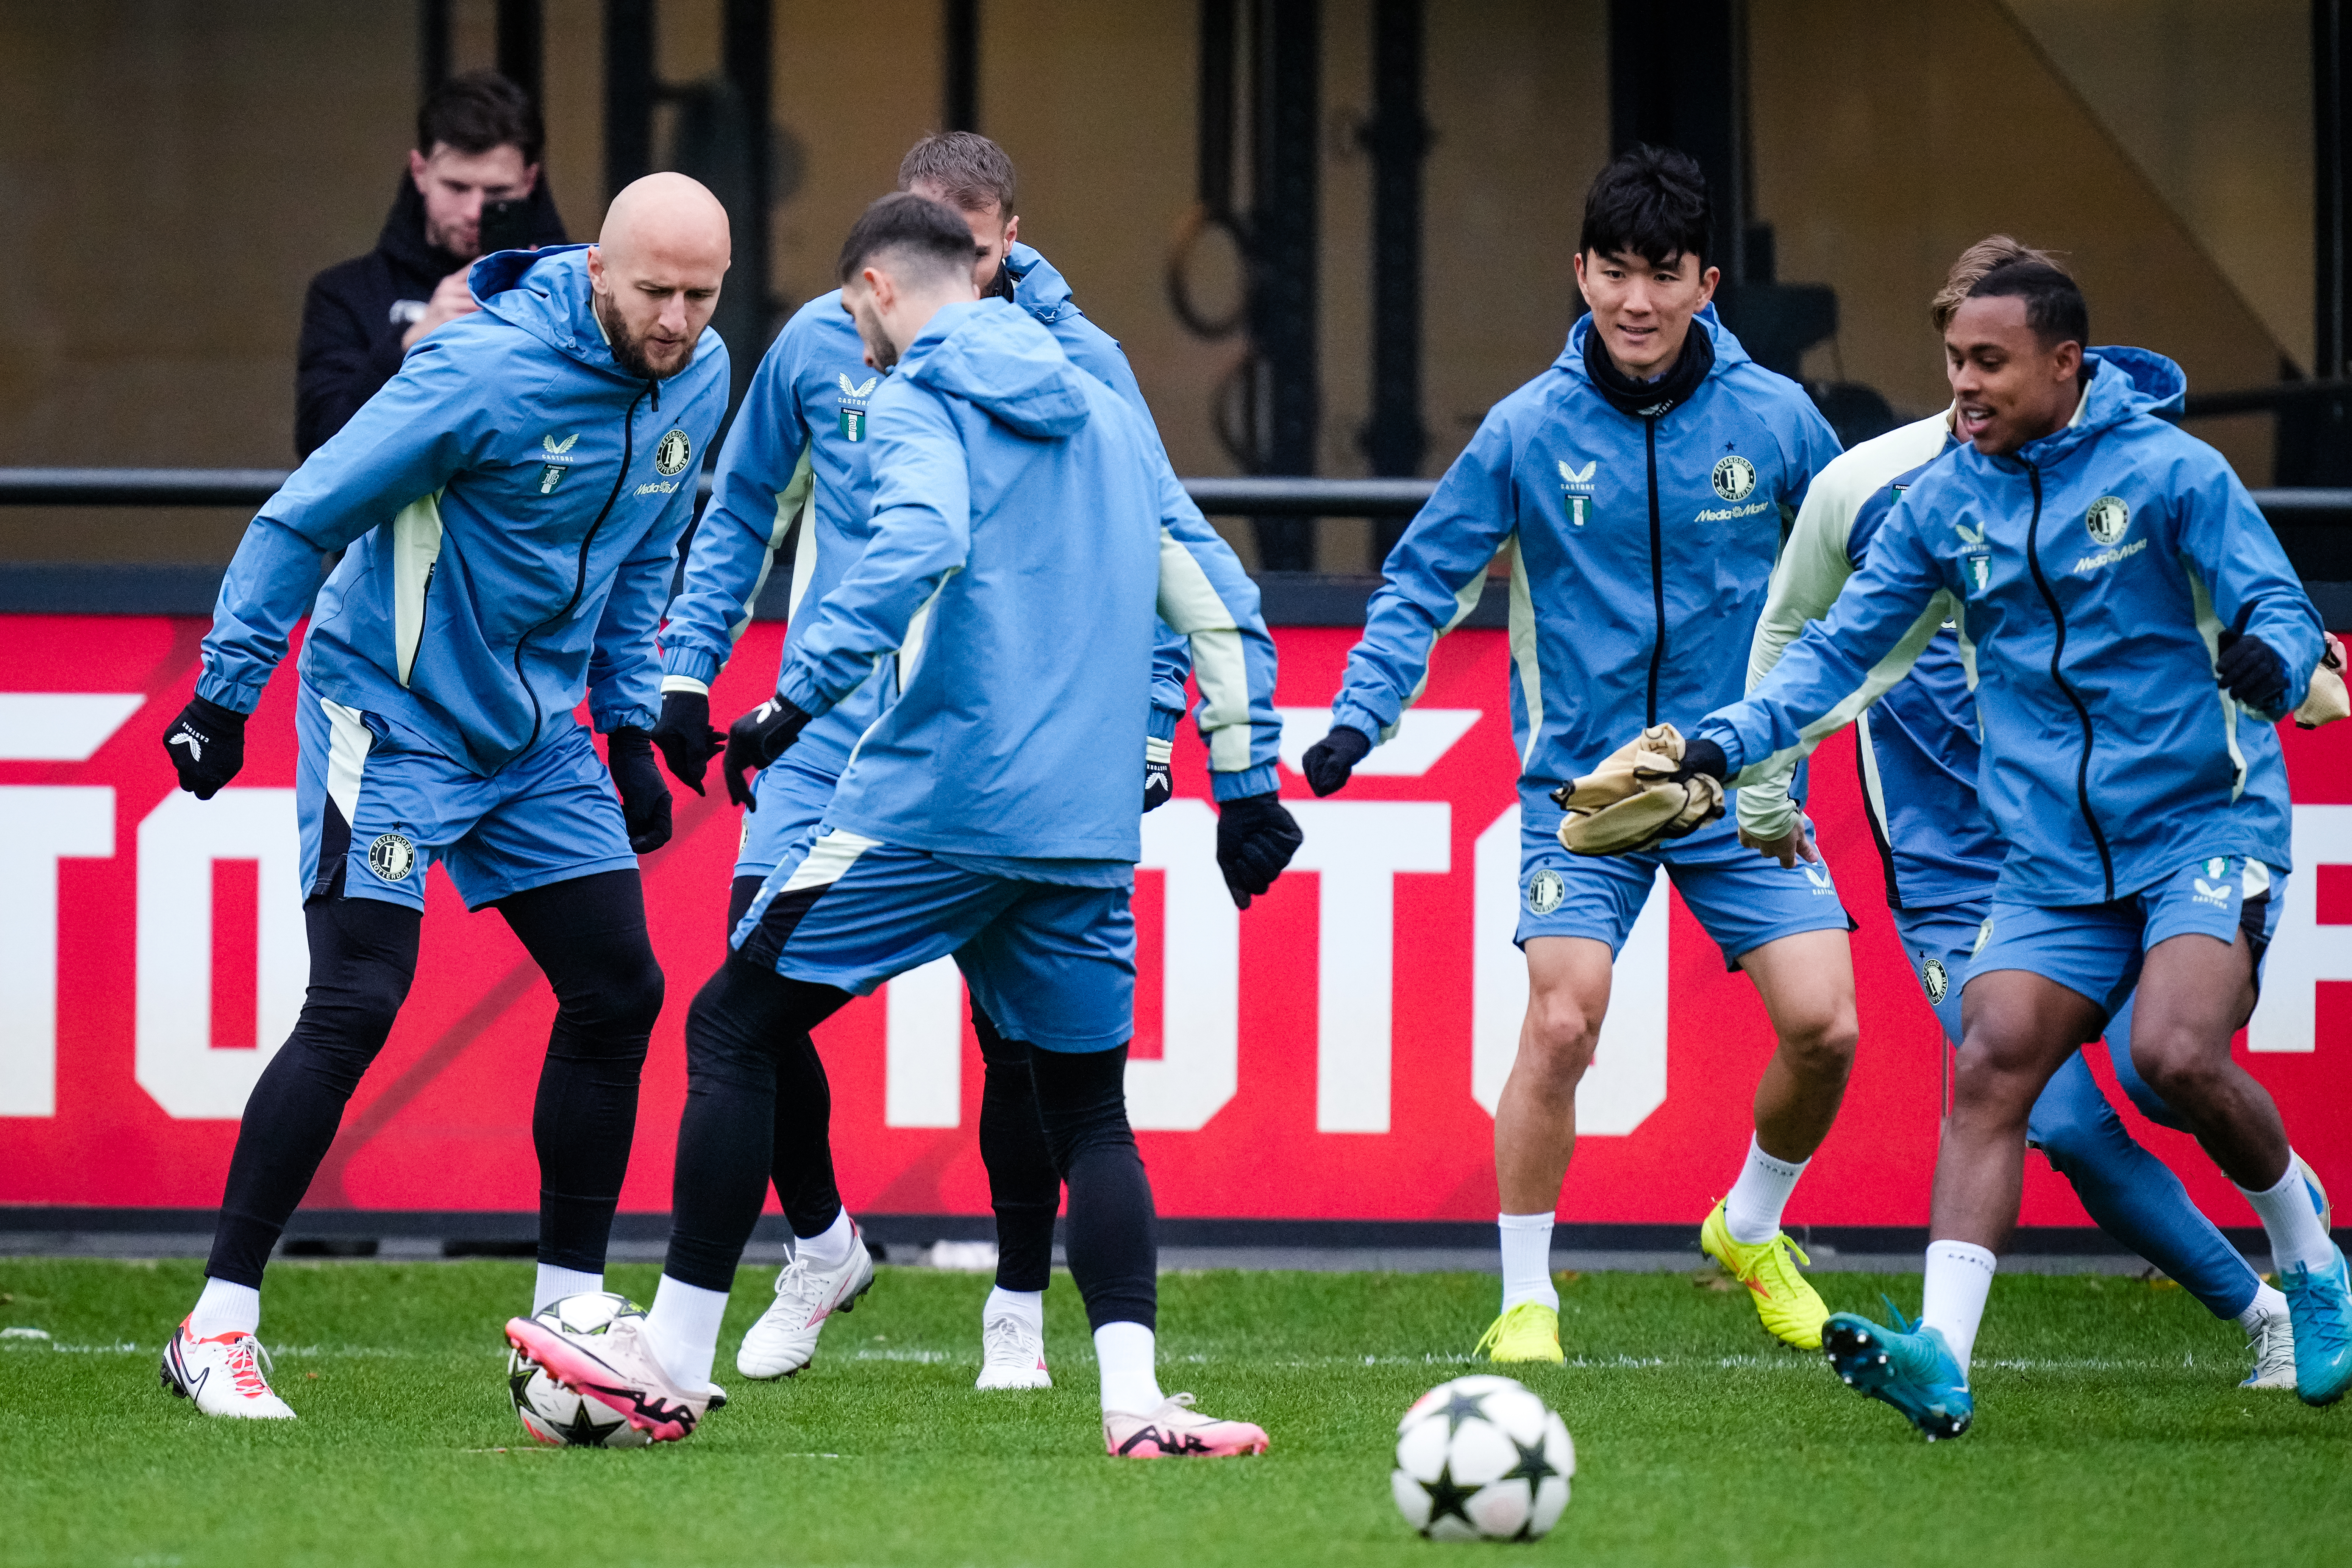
(1545, 891)
(1734, 478)
(670, 457)
(392, 858)
(2108, 519)
(1937, 980)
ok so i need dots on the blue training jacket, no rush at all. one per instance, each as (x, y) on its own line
(798, 455)
(1639, 548)
(1025, 522)
(512, 501)
(2091, 574)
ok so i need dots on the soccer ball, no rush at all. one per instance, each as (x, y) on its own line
(552, 1413)
(1482, 1458)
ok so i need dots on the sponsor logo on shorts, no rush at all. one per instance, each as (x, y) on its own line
(1984, 935)
(670, 457)
(1546, 891)
(2108, 519)
(1818, 876)
(1936, 979)
(392, 858)
(1734, 478)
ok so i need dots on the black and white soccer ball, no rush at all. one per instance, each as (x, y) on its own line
(552, 1413)
(1482, 1458)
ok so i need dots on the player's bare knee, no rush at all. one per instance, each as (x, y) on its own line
(1559, 1040)
(1820, 1047)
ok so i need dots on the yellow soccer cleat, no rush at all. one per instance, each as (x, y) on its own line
(1791, 1310)
(1529, 1331)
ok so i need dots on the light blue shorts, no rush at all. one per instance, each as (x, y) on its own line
(377, 805)
(1743, 900)
(1049, 963)
(793, 793)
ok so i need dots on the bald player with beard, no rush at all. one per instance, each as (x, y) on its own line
(510, 507)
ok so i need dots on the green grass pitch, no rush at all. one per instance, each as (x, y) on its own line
(2109, 1430)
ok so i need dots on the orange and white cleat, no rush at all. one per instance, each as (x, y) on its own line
(616, 1368)
(1177, 1431)
(223, 1374)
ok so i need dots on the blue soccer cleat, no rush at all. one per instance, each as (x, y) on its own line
(1907, 1366)
(2320, 1303)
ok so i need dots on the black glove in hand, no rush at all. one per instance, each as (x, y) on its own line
(206, 745)
(1159, 781)
(2251, 670)
(754, 740)
(1701, 756)
(686, 736)
(644, 799)
(1330, 761)
(1256, 839)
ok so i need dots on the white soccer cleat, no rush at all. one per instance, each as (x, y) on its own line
(1177, 1431)
(1012, 1355)
(2272, 1340)
(784, 1339)
(223, 1374)
(615, 1368)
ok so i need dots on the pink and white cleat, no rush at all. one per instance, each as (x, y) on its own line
(1177, 1431)
(617, 1368)
(223, 1374)
(783, 1341)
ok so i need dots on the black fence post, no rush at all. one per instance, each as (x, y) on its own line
(1285, 232)
(1398, 139)
(629, 77)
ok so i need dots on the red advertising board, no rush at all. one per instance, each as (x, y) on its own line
(1330, 1054)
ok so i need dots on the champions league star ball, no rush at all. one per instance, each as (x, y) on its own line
(552, 1413)
(1482, 1458)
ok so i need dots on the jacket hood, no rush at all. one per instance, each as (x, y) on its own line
(546, 293)
(1727, 351)
(402, 240)
(1038, 288)
(2126, 383)
(994, 356)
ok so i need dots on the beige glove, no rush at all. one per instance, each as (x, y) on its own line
(1632, 801)
(2326, 702)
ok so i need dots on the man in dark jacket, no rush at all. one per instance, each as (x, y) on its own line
(477, 139)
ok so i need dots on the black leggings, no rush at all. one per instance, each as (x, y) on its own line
(1023, 1186)
(587, 935)
(748, 1021)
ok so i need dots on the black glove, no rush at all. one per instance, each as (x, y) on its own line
(1330, 761)
(754, 740)
(206, 744)
(686, 737)
(2251, 670)
(1159, 783)
(1702, 756)
(644, 799)
(1256, 839)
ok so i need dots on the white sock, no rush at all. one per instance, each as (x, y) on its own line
(2268, 1302)
(1028, 1306)
(225, 1309)
(555, 1283)
(683, 1328)
(828, 1249)
(1126, 1352)
(1752, 1212)
(1527, 1260)
(1952, 1300)
(2297, 1240)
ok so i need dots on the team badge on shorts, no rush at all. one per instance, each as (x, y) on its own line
(392, 858)
(1734, 478)
(670, 457)
(1546, 891)
(1937, 980)
(2108, 519)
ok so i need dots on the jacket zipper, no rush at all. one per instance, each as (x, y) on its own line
(579, 575)
(1657, 566)
(2057, 652)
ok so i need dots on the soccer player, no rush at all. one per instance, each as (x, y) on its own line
(1918, 753)
(2135, 631)
(511, 503)
(992, 809)
(1638, 488)
(797, 457)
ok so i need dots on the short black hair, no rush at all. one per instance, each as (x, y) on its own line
(1651, 203)
(972, 172)
(2054, 307)
(478, 112)
(932, 232)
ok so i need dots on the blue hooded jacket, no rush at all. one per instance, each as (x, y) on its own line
(512, 501)
(1639, 551)
(1025, 523)
(799, 455)
(2093, 571)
